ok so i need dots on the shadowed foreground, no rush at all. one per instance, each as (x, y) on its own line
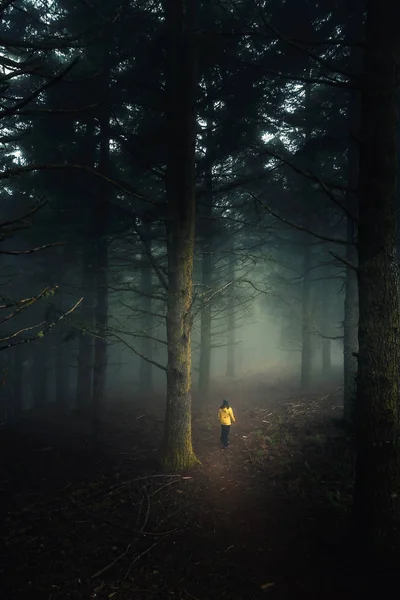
(90, 518)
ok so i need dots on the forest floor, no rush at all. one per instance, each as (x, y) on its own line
(93, 517)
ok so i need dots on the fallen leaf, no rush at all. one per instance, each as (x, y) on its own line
(265, 586)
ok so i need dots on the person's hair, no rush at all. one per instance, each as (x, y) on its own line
(225, 404)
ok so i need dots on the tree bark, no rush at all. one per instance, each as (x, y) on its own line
(306, 328)
(101, 216)
(86, 345)
(326, 359)
(231, 320)
(18, 381)
(39, 372)
(101, 320)
(207, 235)
(350, 330)
(146, 287)
(61, 381)
(327, 293)
(84, 384)
(350, 325)
(307, 346)
(377, 484)
(205, 327)
(180, 191)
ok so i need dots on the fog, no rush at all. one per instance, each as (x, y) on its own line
(199, 299)
(259, 349)
(257, 326)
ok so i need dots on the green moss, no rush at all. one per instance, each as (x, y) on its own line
(179, 460)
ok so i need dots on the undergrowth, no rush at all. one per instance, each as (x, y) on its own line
(314, 462)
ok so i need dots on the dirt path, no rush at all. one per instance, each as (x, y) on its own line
(95, 518)
(259, 523)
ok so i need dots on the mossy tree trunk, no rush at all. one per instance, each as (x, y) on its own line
(377, 484)
(180, 191)
(206, 322)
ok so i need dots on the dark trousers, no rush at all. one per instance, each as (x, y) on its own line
(225, 435)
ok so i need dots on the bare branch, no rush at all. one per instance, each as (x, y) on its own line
(24, 330)
(42, 333)
(152, 260)
(137, 291)
(135, 334)
(300, 227)
(295, 44)
(226, 344)
(54, 111)
(327, 184)
(23, 217)
(49, 167)
(26, 303)
(144, 312)
(255, 33)
(149, 360)
(302, 79)
(11, 110)
(344, 261)
(31, 250)
(100, 15)
(326, 337)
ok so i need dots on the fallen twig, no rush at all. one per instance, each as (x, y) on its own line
(111, 564)
(137, 557)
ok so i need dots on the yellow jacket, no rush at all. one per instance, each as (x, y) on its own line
(226, 416)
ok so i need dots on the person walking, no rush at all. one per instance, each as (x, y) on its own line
(226, 418)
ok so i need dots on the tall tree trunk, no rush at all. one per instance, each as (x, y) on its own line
(40, 371)
(231, 320)
(84, 383)
(206, 227)
(306, 327)
(350, 325)
(205, 326)
(146, 288)
(180, 191)
(326, 358)
(4, 386)
(350, 329)
(377, 484)
(307, 346)
(206, 279)
(327, 301)
(101, 216)
(61, 379)
(86, 345)
(18, 381)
